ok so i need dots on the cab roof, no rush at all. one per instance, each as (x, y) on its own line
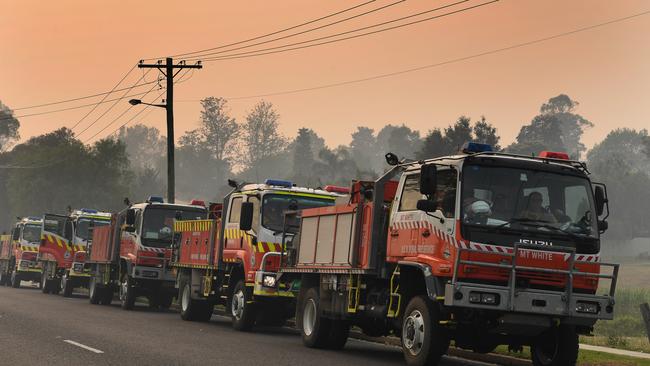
(262, 187)
(457, 160)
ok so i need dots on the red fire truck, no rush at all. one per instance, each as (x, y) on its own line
(481, 248)
(19, 251)
(131, 255)
(62, 252)
(233, 260)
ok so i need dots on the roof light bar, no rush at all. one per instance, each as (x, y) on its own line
(554, 155)
(475, 147)
(279, 183)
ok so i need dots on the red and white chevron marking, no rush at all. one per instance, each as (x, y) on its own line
(152, 249)
(464, 244)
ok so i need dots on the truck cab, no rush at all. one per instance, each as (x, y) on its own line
(233, 259)
(146, 235)
(19, 254)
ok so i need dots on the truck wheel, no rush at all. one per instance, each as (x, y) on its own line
(15, 279)
(55, 286)
(94, 292)
(106, 295)
(127, 293)
(165, 302)
(45, 284)
(66, 286)
(194, 310)
(423, 340)
(314, 328)
(339, 332)
(4, 279)
(242, 311)
(558, 346)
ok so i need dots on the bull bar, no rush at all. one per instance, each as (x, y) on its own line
(510, 298)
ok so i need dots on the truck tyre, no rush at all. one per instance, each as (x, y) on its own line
(557, 346)
(15, 279)
(242, 311)
(165, 302)
(127, 293)
(106, 295)
(314, 328)
(424, 341)
(191, 309)
(4, 279)
(66, 286)
(55, 286)
(94, 292)
(45, 284)
(339, 332)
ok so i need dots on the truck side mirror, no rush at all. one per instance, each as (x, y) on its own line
(426, 205)
(602, 226)
(601, 199)
(428, 179)
(246, 216)
(130, 217)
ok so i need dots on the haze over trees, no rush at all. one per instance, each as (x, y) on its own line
(65, 172)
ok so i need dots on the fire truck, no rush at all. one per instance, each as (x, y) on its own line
(233, 260)
(62, 252)
(19, 251)
(482, 248)
(131, 255)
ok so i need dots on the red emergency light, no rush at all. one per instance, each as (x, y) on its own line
(197, 203)
(337, 189)
(554, 155)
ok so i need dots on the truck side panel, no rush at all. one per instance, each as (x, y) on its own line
(102, 244)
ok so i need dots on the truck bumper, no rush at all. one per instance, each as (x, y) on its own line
(566, 302)
(530, 301)
(268, 284)
(152, 273)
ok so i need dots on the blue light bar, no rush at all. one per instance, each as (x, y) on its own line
(89, 210)
(475, 147)
(279, 183)
(156, 199)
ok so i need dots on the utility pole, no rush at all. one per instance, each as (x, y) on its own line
(169, 73)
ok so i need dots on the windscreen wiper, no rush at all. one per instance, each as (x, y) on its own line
(516, 220)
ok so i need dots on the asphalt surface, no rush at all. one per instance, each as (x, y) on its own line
(39, 329)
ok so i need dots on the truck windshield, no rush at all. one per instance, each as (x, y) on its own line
(83, 226)
(274, 205)
(158, 223)
(32, 233)
(542, 203)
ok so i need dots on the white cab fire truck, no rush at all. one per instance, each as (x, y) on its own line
(482, 248)
(19, 252)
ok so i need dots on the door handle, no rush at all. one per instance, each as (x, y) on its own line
(394, 233)
(426, 233)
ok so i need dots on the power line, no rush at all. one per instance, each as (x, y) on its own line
(443, 63)
(76, 107)
(302, 32)
(120, 116)
(267, 34)
(111, 107)
(260, 53)
(80, 98)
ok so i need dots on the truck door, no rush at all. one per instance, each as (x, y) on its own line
(234, 239)
(415, 232)
(56, 238)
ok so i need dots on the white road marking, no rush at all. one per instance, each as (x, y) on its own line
(83, 346)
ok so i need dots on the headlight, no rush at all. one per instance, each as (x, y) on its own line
(587, 307)
(24, 264)
(485, 298)
(268, 281)
(78, 267)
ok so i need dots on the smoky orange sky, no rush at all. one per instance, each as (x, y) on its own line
(54, 50)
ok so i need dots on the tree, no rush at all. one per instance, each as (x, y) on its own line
(364, 150)
(556, 128)
(145, 147)
(485, 133)
(219, 130)
(303, 157)
(261, 137)
(8, 128)
(620, 162)
(399, 140)
(439, 143)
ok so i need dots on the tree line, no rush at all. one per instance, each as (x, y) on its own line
(50, 172)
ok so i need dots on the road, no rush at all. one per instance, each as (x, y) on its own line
(38, 329)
